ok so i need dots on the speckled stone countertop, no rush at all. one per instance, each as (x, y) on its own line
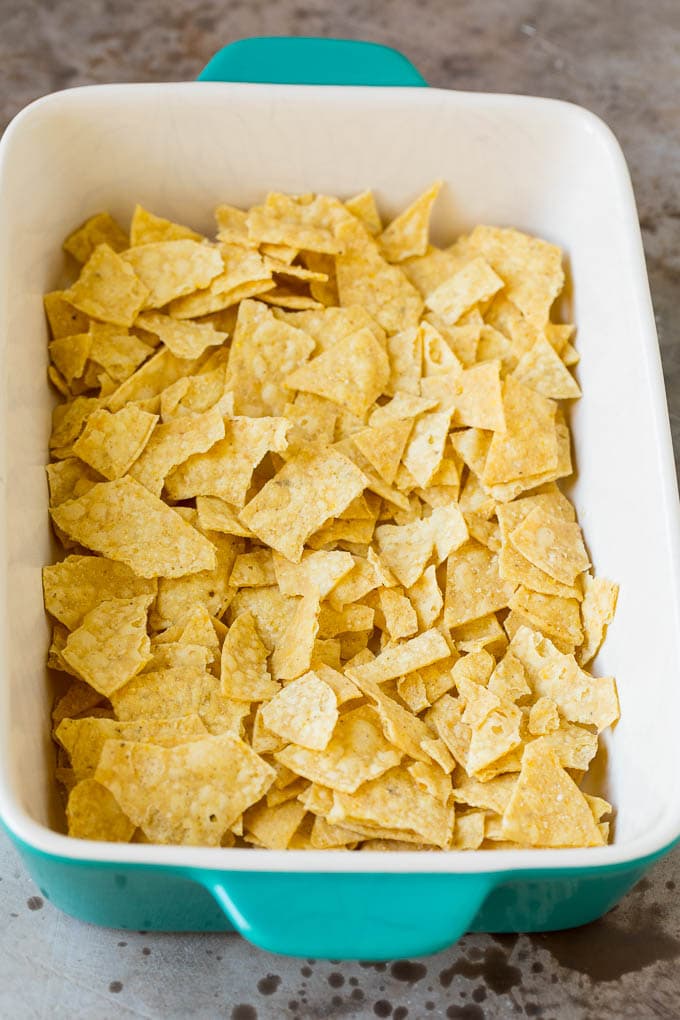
(620, 58)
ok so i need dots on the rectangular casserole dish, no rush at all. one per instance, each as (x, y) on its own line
(544, 166)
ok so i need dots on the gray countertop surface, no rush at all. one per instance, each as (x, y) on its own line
(620, 58)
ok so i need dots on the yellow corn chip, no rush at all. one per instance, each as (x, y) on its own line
(327, 326)
(425, 447)
(411, 690)
(78, 584)
(356, 753)
(477, 398)
(341, 531)
(407, 234)
(312, 487)
(263, 354)
(405, 354)
(350, 618)
(111, 443)
(542, 370)
(118, 352)
(68, 479)
(528, 447)
(270, 607)
(312, 418)
(530, 268)
(293, 654)
(274, 827)
(173, 443)
(469, 831)
(226, 469)
(475, 282)
(546, 807)
(147, 228)
(485, 632)
(98, 229)
(286, 220)
(84, 739)
(243, 275)
(364, 208)
(124, 521)
(326, 837)
(474, 587)
(365, 278)
(188, 794)
(178, 692)
(405, 549)
(580, 698)
(155, 375)
(543, 717)
(400, 617)
(321, 570)
(214, 514)
(401, 727)
(70, 354)
(426, 272)
(93, 812)
(426, 598)
(552, 544)
(170, 269)
(78, 698)
(508, 680)
(253, 570)
(209, 588)
(63, 318)
(398, 660)
(549, 613)
(303, 713)
(352, 373)
(111, 644)
(383, 446)
(244, 672)
(597, 612)
(395, 802)
(232, 225)
(184, 339)
(108, 288)
(432, 779)
(493, 795)
(208, 391)
(175, 654)
(496, 737)
(67, 423)
(283, 297)
(438, 357)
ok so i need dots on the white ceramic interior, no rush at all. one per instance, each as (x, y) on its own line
(547, 167)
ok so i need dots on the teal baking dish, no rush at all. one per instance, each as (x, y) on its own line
(359, 117)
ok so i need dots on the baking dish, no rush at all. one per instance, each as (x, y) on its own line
(545, 166)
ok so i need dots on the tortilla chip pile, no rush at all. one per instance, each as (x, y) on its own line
(321, 589)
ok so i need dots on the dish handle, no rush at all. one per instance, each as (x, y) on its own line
(306, 60)
(350, 915)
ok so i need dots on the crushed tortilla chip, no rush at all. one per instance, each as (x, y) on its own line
(311, 487)
(407, 234)
(188, 794)
(245, 674)
(93, 812)
(546, 807)
(352, 373)
(111, 644)
(124, 521)
(304, 712)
